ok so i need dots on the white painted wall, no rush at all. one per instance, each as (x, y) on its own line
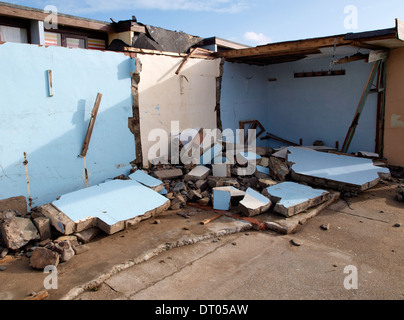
(165, 96)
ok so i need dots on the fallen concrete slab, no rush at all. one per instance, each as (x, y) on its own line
(294, 223)
(147, 180)
(197, 173)
(168, 173)
(292, 198)
(329, 170)
(254, 203)
(110, 206)
(222, 197)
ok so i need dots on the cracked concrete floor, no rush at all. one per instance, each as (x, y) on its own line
(264, 265)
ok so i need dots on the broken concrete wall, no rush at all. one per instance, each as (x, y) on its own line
(320, 108)
(394, 124)
(189, 97)
(51, 129)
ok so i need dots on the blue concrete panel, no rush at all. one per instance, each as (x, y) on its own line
(111, 202)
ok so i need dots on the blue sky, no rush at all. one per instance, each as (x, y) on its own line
(248, 22)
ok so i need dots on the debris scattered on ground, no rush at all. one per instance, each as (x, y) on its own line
(400, 193)
(325, 226)
(296, 243)
(264, 181)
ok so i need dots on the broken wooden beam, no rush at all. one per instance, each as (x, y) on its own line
(185, 61)
(206, 221)
(91, 126)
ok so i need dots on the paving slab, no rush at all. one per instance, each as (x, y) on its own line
(332, 170)
(110, 206)
(291, 198)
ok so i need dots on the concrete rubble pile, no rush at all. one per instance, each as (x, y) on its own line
(282, 182)
(31, 234)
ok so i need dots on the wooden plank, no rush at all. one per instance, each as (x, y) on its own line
(91, 126)
(185, 61)
(355, 57)
(206, 221)
(50, 83)
(39, 296)
(286, 47)
(200, 54)
(6, 259)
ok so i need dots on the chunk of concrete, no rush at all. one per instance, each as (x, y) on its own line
(110, 206)
(17, 232)
(168, 174)
(292, 198)
(18, 204)
(178, 202)
(42, 257)
(221, 170)
(221, 200)
(278, 168)
(341, 172)
(197, 173)
(194, 195)
(44, 227)
(87, 235)
(147, 180)
(224, 197)
(232, 190)
(58, 219)
(65, 250)
(245, 171)
(201, 185)
(254, 203)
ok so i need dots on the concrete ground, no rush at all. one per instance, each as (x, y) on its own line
(180, 259)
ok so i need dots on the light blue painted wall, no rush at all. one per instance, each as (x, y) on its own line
(51, 130)
(320, 108)
(244, 95)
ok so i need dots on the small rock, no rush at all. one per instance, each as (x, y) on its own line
(247, 233)
(325, 226)
(234, 243)
(65, 249)
(381, 211)
(3, 253)
(157, 221)
(334, 265)
(3, 268)
(43, 257)
(80, 249)
(397, 225)
(85, 236)
(296, 243)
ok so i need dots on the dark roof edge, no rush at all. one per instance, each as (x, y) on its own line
(42, 11)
